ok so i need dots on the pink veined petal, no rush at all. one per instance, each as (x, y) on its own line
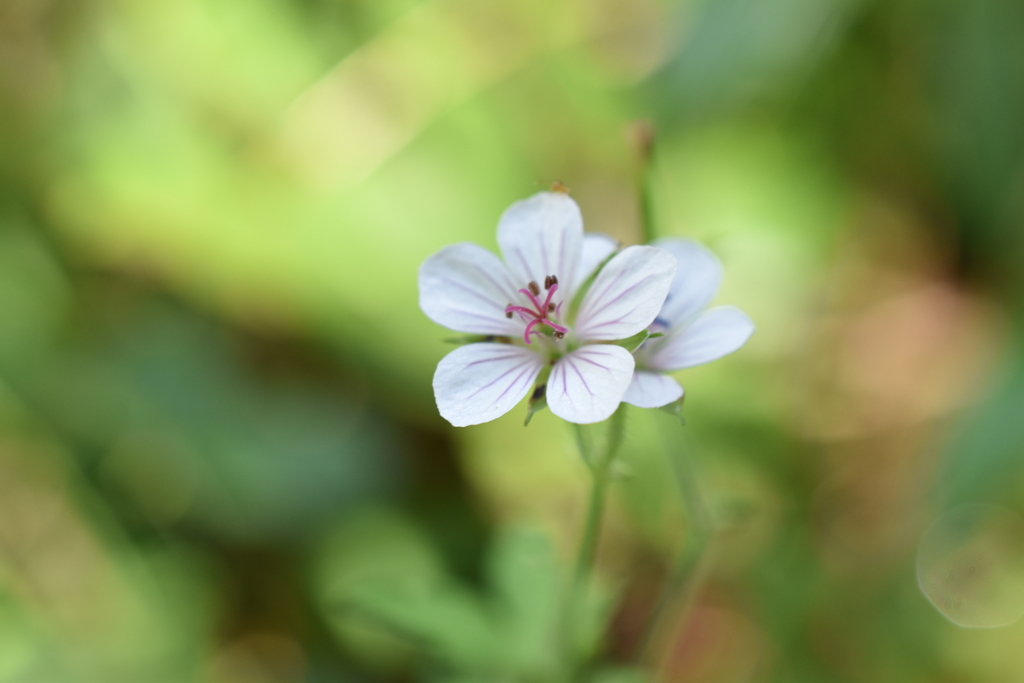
(627, 294)
(596, 248)
(478, 383)
(652, 390)
(587, 385)
(466, 288)
(698, 276)
(540, 236)
(715, 333)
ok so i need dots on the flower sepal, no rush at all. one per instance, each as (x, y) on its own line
(538, 398)
(633, 343)
(538, 402)
(675, 408)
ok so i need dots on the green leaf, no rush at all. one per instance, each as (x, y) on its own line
(621, 675)
(386, 595)
(447, 620)
(524, 574)
(633, 343)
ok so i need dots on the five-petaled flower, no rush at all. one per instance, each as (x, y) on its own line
(692, 335)
(528, 308)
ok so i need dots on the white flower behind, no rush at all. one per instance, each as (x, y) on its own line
(525, 303)
(692, 335)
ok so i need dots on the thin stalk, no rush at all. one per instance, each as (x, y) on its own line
(679, 586)
(592, 527)
(600, 467)
(643, 139)
(647, 228)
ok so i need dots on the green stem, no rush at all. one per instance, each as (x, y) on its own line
(645, 134)
(683, 576)
(647, 231)
(592, 528)
(600, 468)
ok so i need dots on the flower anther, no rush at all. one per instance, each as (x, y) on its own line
(540, 313)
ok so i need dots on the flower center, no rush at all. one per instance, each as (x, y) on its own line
(541, 313)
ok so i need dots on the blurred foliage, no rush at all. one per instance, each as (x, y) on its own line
(219, 455)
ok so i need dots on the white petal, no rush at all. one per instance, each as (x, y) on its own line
(587, 385)
(466, 288)
(652, 390)
(480, 382)
(697, 279)
(596, 248)
(715, 333)
(627, 294)
(541, 236)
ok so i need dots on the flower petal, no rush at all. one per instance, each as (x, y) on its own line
(480, 382)
(627, 294)
(652, 390)
(596, 248)
(540, 236)
(697, 279)
(715, 333)
(466, 288)
(587, 385)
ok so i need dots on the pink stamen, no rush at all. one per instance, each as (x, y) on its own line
(540, 315)
(551, 293)
(521, 309)
(529, 328)
(555, 327)
(533, 299)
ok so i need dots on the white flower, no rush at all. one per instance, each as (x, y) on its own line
(692, 335)
(526, 304)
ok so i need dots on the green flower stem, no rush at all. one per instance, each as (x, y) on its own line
(678, 588)
(644, 139)
(646, 205)
(592, 528)
(600, 468)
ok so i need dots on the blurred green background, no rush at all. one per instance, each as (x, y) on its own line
(220, 459)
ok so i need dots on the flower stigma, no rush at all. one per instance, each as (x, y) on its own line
(541, 313)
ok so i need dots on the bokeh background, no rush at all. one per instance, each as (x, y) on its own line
(216, 421)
